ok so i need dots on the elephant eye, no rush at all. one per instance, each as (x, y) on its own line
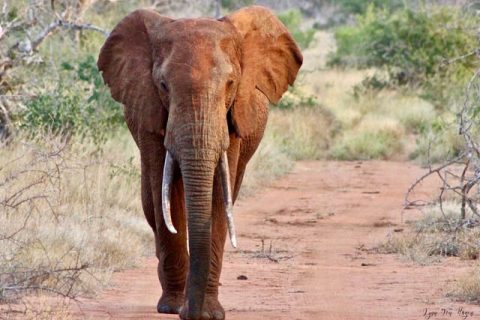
(164, 86)
(229, 84)
(230, 93)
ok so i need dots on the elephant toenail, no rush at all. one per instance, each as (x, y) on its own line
(164, 309)
(217, 315)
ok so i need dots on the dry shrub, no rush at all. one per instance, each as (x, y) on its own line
(38, 308)
(304, 133)
(70, 215)
(373, 138)
(437, 234)
(467, 288)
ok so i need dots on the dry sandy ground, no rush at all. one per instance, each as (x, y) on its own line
(315, 225)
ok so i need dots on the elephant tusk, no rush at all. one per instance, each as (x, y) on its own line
(227, 196)
(166, 192)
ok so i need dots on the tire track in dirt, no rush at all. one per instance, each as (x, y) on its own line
(302, 250)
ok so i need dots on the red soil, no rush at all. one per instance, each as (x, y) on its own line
(315, 225)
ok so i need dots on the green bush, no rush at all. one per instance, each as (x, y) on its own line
(80, 105)
(412, 47)
(367, 146)
(361, 6)
(236, 4)
(292, 19)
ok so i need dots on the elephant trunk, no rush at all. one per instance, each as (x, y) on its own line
(227, 195)
(198, 170)
(197, 144)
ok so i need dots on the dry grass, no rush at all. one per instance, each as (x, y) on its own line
(372, 125)
(305, 133)
(375, 137)
(267, 164)
(437, 235)
(467, 288)
(69, 216)
(435, 146)
(409, 249)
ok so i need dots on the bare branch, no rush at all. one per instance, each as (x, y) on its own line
(462, 174)
(437, 170)
(54, 26)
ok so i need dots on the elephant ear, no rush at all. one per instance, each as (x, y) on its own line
(270, 62)
(126, 61)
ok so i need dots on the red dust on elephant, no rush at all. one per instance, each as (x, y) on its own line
(196, 95)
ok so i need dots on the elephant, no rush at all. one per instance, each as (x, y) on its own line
(196, 94)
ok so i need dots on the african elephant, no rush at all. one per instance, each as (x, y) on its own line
(195, 95)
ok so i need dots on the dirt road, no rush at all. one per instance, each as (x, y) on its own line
(302, 250)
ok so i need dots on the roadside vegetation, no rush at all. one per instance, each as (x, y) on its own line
(68, 213)
(402, 83)
(384, 81)
(436, 235)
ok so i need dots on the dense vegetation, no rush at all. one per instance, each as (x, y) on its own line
(412, 49)
(416, 48)
(80, 105)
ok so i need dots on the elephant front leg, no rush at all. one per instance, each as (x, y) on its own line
(170, 249)
(171, 253)
(173, 256)
(212, 306)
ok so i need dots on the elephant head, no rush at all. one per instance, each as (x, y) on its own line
(192, 82)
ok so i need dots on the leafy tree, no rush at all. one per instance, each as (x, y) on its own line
(414, 48)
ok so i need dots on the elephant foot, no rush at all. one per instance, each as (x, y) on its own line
(170, 303)
(212, 310)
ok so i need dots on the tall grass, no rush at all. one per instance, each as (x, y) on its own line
(69, 216)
